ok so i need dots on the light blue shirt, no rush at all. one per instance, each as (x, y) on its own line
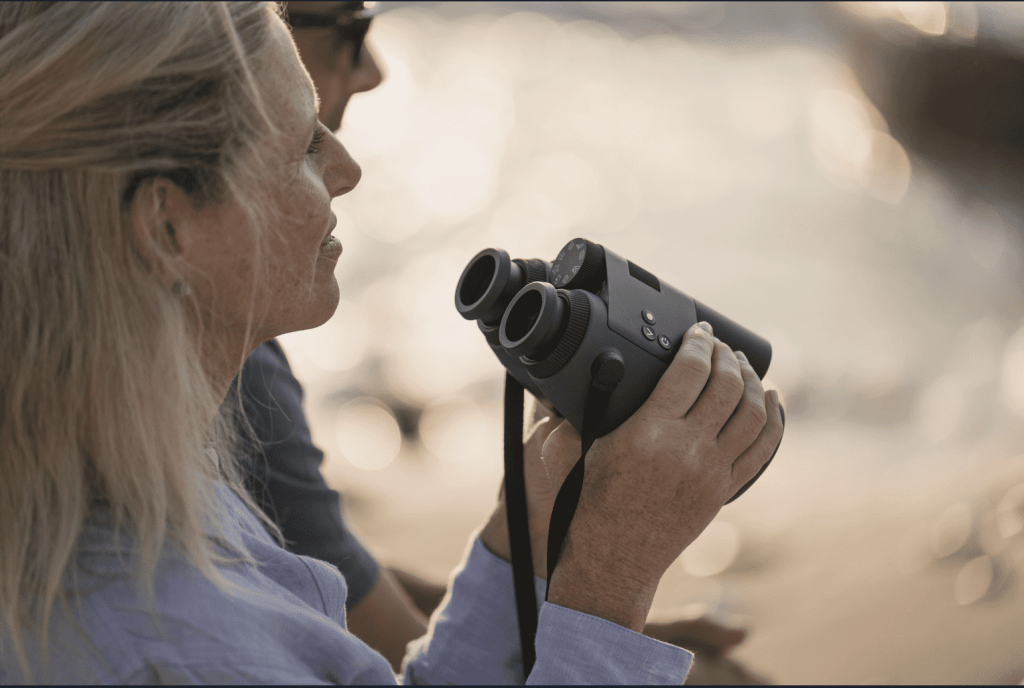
(282, 620)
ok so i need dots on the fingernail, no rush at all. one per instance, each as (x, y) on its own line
(706, 326)
(742, 356)
(774, 394)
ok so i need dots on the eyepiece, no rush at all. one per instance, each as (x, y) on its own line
(477, 278)
(490, 279)
(533, 320)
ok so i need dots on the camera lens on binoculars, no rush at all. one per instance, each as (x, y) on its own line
(533, 322)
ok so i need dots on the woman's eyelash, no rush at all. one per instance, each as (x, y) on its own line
(314, 145)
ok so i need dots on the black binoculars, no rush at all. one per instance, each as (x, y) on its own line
(590, 317)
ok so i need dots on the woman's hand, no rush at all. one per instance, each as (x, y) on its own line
(653, 485)
(540, 495)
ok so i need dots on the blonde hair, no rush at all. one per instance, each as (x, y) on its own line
(104, 402)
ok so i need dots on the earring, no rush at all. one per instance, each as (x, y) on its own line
(181, 288)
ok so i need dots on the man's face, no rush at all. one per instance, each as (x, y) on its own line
(330, 62)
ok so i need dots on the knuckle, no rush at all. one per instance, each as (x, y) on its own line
(695, 362)
(641, 434)
(758, 413)
(731, 381)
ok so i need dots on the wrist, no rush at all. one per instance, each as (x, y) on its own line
(495, 537)
(582, 583)
(494, 534)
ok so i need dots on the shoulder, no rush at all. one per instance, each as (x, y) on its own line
(280, 618)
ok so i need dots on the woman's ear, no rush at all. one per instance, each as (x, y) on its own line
(157, 211)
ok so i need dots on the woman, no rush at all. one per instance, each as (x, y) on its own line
(166, 208)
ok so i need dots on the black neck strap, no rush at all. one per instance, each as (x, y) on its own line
(562, 513)
(518, 521)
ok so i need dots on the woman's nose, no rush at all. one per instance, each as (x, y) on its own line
(343, 173)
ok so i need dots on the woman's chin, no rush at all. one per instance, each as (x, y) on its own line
(321, 307)
(326, 304)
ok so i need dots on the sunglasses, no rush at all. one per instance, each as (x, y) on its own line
(350, 27)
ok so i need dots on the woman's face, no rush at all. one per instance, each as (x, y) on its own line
(295, 287)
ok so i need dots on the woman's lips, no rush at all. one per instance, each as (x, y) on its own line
(330, 228)
(331, 246)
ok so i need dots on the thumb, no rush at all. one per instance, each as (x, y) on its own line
(561, 452)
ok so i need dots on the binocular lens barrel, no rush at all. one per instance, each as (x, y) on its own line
(487, 285)
(757, 349)
(476, 279)
(489, 282)
(533, 320)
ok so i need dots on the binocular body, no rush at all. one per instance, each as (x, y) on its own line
(588, 318)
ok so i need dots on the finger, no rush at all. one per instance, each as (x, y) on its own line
(757, 455)
(686, 376)
(533, 447)
(541, 430)
(717, 638)
(560, 453)
(723, 392)
(750, 415)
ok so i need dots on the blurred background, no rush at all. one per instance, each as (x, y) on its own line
(844, 179)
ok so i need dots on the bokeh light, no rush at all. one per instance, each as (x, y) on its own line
(850, 142)
(951, 530)
(367, 434)
(1012, 373)
(460, 432)
(931, 18)
(1010, 512)
(974, 580)
(336, 346)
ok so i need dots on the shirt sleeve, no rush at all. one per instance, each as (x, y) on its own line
(475, 639)
(283, 471)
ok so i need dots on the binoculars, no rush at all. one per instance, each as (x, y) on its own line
(590, 317)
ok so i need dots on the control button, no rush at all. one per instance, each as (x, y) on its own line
(648, 317)
(665, 342)
(649, 333)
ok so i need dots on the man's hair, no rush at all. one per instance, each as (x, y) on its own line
(104, 402)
